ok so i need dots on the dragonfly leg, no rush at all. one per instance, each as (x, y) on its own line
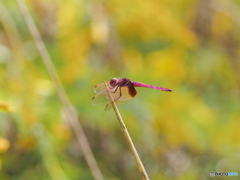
(120, 94)
(115, 90)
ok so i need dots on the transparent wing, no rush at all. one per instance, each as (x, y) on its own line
(120, 97)
(124, 94)
(99, 98)
(109, 106)
(102, 95)
(100, 88)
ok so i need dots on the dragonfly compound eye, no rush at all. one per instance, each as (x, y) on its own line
(113, 82)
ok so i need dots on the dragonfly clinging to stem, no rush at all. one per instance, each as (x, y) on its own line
(122, 90)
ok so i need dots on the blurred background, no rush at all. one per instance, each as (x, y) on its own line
(192, 47)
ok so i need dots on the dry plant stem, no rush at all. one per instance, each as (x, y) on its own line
(68, 109)
(127, 137)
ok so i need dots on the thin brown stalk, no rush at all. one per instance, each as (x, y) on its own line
(128, 137)
(67, 107)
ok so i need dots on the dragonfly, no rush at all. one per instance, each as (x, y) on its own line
(121, 89)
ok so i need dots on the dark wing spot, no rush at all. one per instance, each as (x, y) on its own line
(132, 91)
(93, 97)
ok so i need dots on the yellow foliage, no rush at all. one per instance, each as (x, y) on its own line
(4, 144)
(133, 61)
(201, 113)
(73, 70)
(168, 64)
(100, 23)
(226, 135)
(190, 120)
(28, 114)
(61, 131)
(26, 143)
(66, 16)
(5, 106)
(155, 19)
(185, 45)
(222, 22)
(44, 87)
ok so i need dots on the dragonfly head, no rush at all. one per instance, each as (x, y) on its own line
(117, 81)
(113, 82)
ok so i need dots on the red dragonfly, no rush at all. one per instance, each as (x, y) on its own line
(122, 90)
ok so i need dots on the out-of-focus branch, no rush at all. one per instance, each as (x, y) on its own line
(9, 26)
(68, 109)
(15, 43)
(128, 137)
(49, 157)
(229, 8)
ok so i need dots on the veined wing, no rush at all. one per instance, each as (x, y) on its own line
(101, 88)
(109, 106)
(102, 95)
(124, 94)
(99, 98)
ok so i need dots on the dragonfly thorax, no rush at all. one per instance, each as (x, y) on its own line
(119, 82)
